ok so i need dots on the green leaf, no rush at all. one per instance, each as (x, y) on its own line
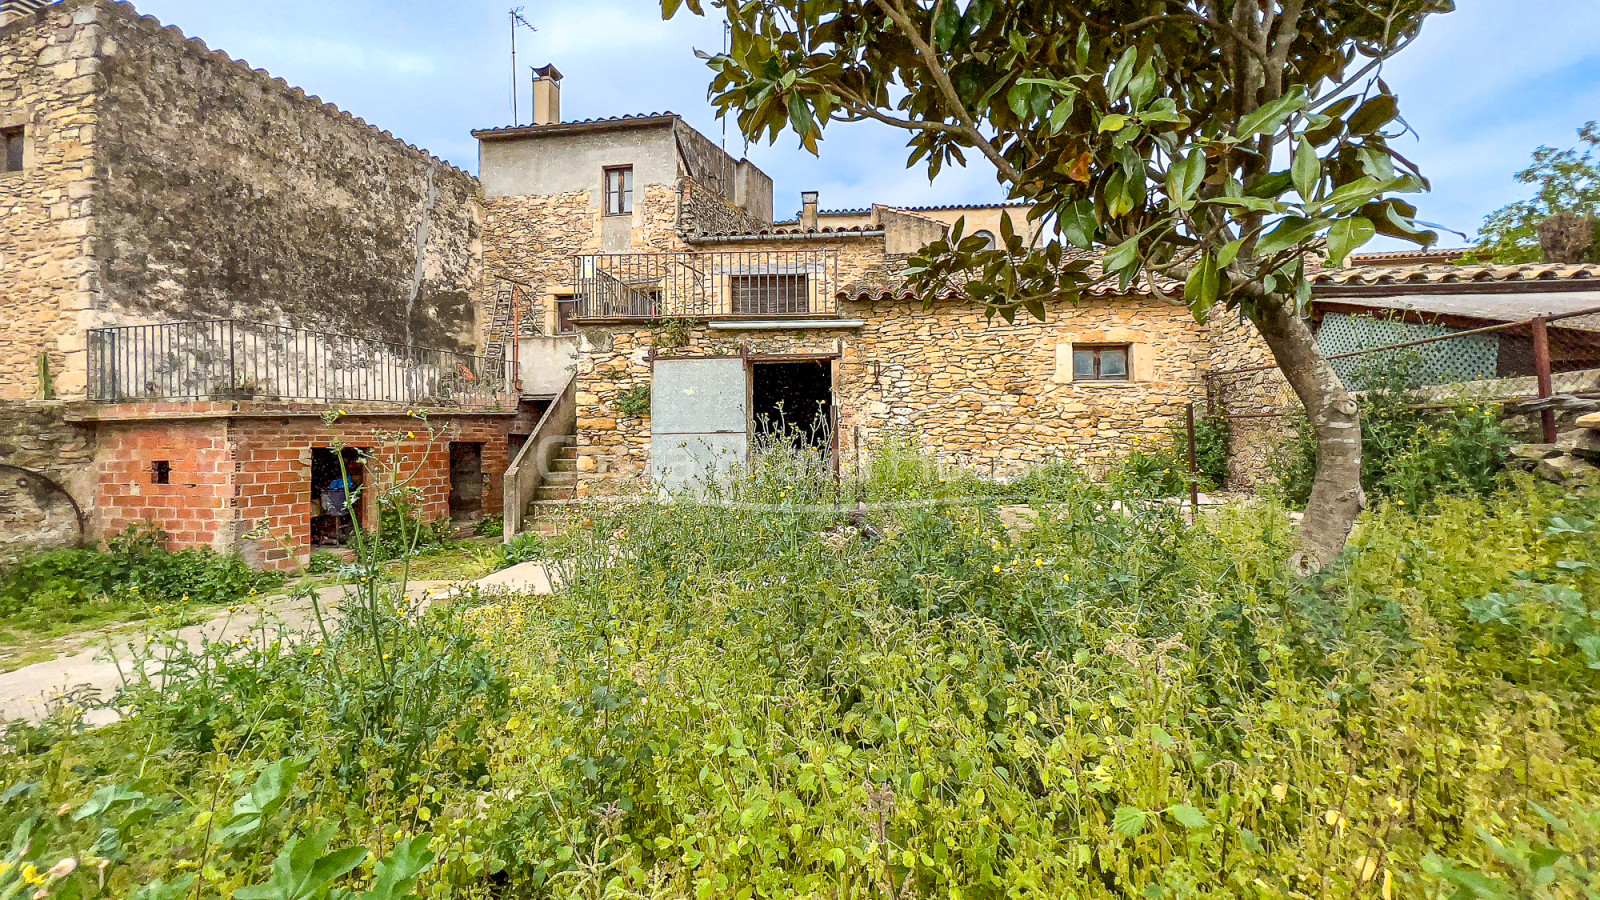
(1347, 236)
(1201, 289)
(1113, 122)
(1128, 821)
(1307, 170)
(1374, 114)
(1229, 253)
(1143, 86)
(1291, 231)
(1271, 116)
(1189, 817)
(1018, 99)
(103, 800)
(1184, 179)
(302, 872)
(1078, 224)
(396, 874)
(1123, 257)
(1117, 79)
(265, 798)
(948, 26)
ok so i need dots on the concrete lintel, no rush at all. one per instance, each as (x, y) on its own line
(786, 324)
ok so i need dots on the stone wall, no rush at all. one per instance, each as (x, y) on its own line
(1262, 395)
(166, 182)
(242, 480)
(978, 392)
(47, 476)
(231, 194)
(48, 82)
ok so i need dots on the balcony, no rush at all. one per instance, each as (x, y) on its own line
(226, 360)
(755, 285)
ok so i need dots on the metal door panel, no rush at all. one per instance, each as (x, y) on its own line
(699, 421)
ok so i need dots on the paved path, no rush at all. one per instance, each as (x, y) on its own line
(26, 693)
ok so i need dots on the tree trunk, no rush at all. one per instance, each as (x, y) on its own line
(1336, 495)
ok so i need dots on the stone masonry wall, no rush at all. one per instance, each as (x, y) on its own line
(1252, 442)
(243, 482)
(48, 82)
(46, 476)
(231, 194)
(978, 393)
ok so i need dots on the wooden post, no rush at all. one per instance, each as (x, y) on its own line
(1541, 368)
(1194, 470)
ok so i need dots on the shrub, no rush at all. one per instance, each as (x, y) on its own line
(634, 402)
(1410, 452)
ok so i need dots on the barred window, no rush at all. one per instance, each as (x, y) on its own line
(769, 295)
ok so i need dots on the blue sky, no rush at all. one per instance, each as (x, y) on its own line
(1483, 87)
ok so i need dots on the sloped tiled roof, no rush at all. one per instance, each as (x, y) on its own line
(1102, 290)
(627, 121)
(777, 231)
(1444, 274)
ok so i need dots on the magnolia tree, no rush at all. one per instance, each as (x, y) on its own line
(1224, 144)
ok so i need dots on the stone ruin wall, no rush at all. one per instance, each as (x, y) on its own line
(49, 76)
(235, 195)
(47, 476)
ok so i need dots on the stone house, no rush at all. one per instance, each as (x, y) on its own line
(695, 321)
(198, 264)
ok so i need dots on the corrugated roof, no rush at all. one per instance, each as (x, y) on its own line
(627, 121)
(1489, 307)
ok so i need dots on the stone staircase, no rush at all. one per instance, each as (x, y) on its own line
(552, 497)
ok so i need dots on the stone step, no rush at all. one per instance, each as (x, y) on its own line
(564, 464)
(547, 492)
(561, 478)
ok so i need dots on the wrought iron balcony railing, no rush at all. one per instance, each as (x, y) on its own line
(753, 284)
(227, 360)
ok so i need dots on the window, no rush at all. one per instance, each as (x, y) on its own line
(566, 312)
(12, 141)
(1091, 363)
(988, 239)
(161, 472)
(619, 191)
(769, 295)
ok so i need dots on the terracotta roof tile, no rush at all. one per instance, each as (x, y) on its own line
(1438, 274)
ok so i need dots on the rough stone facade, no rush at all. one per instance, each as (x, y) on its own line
(47, 477)
(980, 393)
(49, 87)
(240, 479)
(166, 182)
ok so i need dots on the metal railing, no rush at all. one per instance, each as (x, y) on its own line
(229, 360)
(752, 284)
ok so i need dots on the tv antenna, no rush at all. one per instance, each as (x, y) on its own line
(517, 21)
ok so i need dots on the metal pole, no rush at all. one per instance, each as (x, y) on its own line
(1541, 368)
(516, 346)
(1194, 471)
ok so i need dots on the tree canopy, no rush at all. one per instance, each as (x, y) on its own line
(1225, 144)
(1566, 182)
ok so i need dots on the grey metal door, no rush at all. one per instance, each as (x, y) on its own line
(699, 421)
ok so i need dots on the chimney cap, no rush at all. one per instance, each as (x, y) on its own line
(548, 70)
(808, 197)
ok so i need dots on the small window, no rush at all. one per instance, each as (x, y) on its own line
(161, 472)
(619, 191)
(566, 312)
(988, 239)
(12, 141)
(1100, 363)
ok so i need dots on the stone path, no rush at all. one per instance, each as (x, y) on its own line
(28, 693)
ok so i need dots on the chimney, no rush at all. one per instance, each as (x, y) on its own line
(808, 210)
(546, 95)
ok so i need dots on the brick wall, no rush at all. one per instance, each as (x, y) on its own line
(242, 482)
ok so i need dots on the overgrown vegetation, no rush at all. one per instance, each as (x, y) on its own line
(133, 577)
(1566, 184)
(761, 696)
(1412, 450)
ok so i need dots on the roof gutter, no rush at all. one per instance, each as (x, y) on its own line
(764, 238)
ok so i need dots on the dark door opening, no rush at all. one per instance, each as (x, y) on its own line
(335, 495)
(466, 481)
(792, 403)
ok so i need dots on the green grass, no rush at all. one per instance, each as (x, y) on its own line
(749, 699)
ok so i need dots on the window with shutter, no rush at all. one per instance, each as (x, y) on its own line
(769, 295)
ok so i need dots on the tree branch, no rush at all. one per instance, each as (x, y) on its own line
(941, 78)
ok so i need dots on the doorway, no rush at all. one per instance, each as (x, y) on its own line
(792, 403)
(466, 481)
(336, 495)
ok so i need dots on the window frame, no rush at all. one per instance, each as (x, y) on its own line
(769, 294)
(13, 145)
(623, 193)
(1098, 349)
(989, 236)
